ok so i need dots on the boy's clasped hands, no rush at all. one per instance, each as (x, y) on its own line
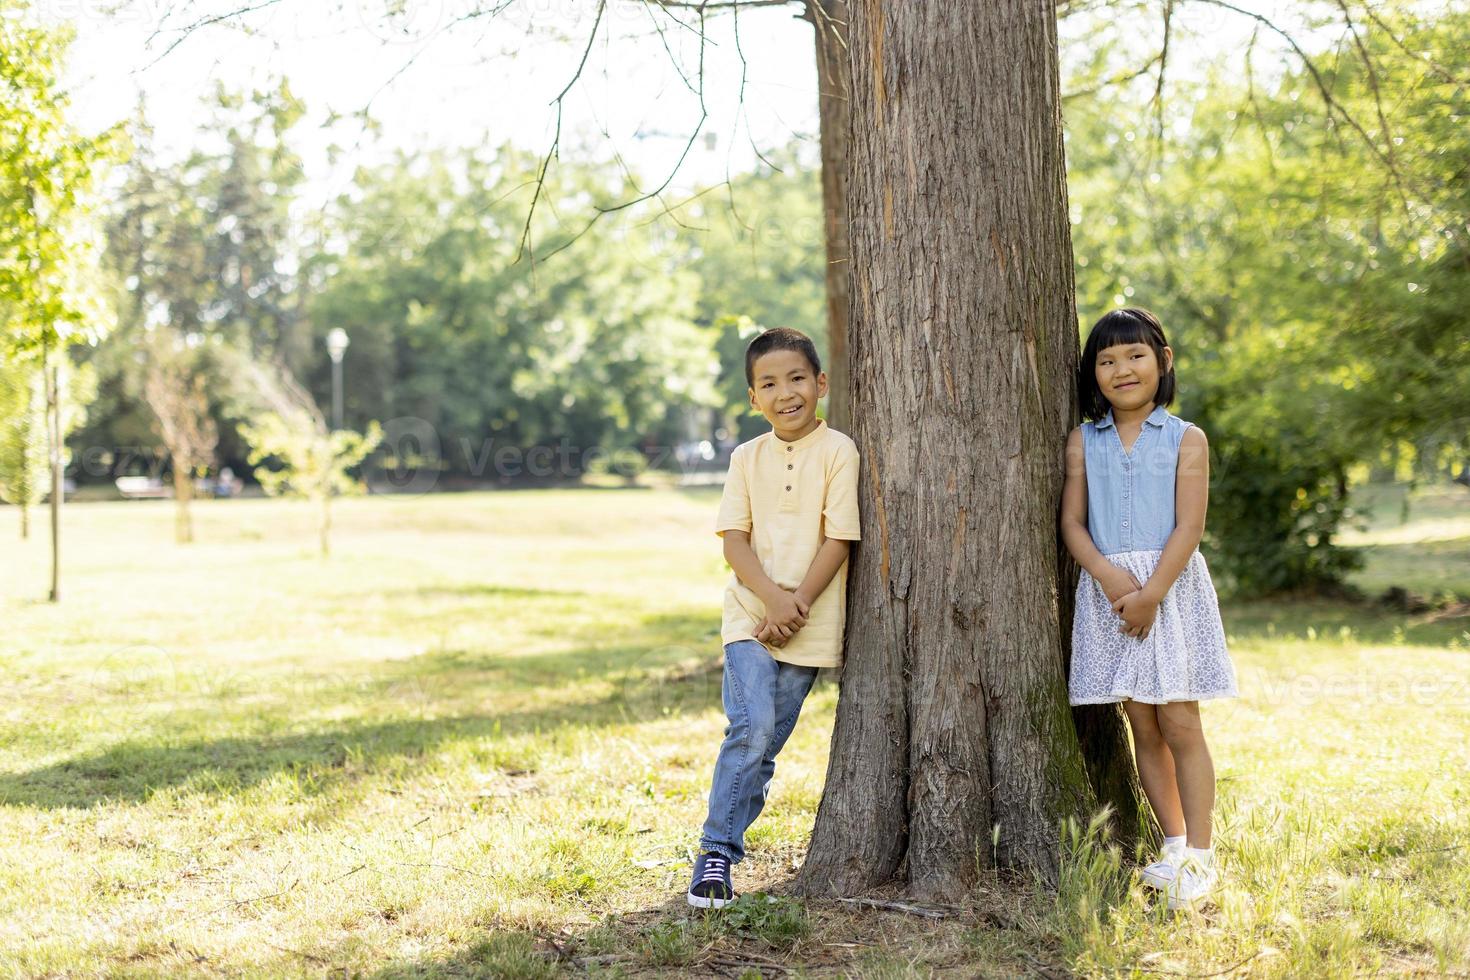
(786, 612)
(1134, 603)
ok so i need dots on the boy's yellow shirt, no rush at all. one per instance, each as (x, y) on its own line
(789, 496)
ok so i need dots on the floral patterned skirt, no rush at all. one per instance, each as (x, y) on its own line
(1183, 658)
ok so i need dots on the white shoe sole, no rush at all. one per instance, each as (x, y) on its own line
(700, 902)
(1175, 904)
(1203, 898)
(1153, 880)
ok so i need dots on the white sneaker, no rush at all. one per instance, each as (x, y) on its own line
(1191, 884)
(1161, 873)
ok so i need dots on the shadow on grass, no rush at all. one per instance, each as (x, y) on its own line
(1337, 620)
(669, 938)
(1429, 569)
(668, 671)
(487, 590)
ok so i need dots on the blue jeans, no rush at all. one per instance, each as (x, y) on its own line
(762, 700)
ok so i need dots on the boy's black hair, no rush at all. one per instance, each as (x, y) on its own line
(780, 338)
(1130, 325)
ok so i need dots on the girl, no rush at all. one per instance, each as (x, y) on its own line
(1147, 629)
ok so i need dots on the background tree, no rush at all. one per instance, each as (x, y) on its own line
(174, 387)
(294, 452)
(757, 252)
(24, 475)
(829, 19)
(1309, 274)
(203, 247)
(50, 295)
(595, 347)
(250, 241)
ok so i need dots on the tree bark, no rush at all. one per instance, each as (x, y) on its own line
(834, 83)
(183, 495)
(953, 723)
(58, 473)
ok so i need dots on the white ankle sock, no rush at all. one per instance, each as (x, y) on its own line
(1174, 841)
(1204, 855)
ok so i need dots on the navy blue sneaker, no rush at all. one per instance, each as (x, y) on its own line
(711, 887)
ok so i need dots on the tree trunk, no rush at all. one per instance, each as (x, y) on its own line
(326, 525)
(58, 476)
(183, 494)
(953, 722)
(834, 83)
(26, 481)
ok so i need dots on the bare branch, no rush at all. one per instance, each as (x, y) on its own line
(601, 210)
(184, 32)
(1434, 66)
(1330, 100)
(1158, 98)
(1250, 82)
(663, 39)
(556, 139)
(1115, 80)
(1372, 75)
(728, 5)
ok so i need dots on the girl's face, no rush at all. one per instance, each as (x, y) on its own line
(1128, 374)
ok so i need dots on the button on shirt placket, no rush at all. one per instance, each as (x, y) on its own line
(1127, 530)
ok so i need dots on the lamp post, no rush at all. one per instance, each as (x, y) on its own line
(336, 347)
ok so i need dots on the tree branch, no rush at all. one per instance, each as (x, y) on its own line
(1333, 105)
(184, 32)
(556, 138)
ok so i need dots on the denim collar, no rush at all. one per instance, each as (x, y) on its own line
(1155, 418)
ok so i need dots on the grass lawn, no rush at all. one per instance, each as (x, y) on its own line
(477, 739)
(1417, 541)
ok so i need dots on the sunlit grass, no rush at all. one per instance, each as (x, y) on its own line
(1415, 541)
(476, 742)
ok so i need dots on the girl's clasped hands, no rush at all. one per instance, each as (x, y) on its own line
(1132, 602)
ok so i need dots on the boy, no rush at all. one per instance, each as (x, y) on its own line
(788, 517)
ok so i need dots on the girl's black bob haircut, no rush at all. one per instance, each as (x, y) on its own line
(1129, 325)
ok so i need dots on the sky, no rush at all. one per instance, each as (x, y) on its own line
(434, 78)
(435, 75)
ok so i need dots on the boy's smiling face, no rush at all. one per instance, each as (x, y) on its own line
(786, 392)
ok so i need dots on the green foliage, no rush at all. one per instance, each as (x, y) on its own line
(249, 245)
(758, 249)
(25, 469)
(1273, 513)
(1091, 881)
(202, 250)
(780, 922)
(590, 342)
(512, 956)
(671, 942)
(293, 451)
(1309, 265)
(49, 291)
(294, 457)
(609, 338)
(24, 474)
